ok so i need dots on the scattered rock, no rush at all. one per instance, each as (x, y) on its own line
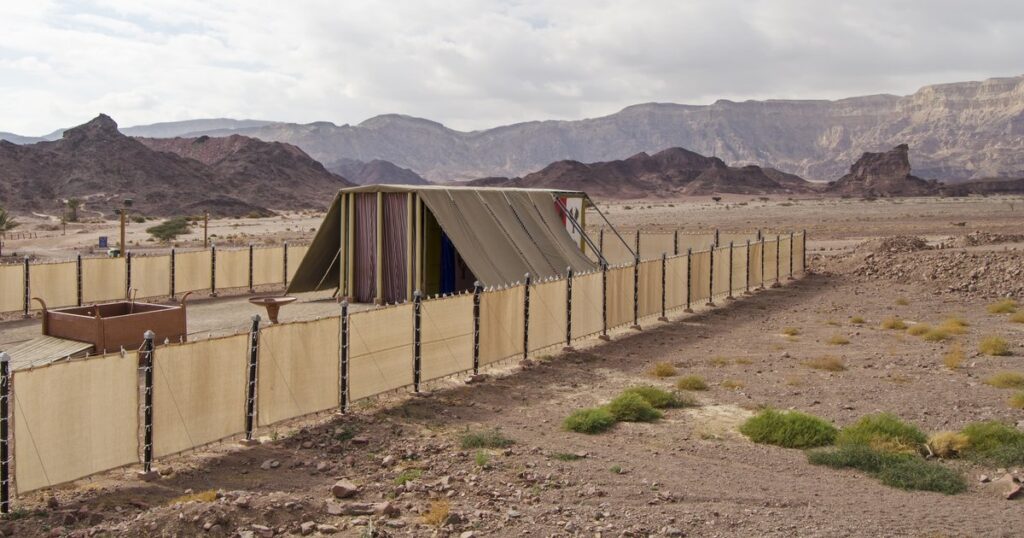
(343, 489)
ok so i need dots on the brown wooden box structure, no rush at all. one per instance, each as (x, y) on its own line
(111, 326)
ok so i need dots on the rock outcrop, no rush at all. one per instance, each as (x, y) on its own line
(883, 174)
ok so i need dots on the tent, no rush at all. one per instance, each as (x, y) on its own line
(440, 239)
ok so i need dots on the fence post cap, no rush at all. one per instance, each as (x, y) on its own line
(4, 357)
(344, 303)
(417, 294)
(255, 317)
(149, 335)
(476, 284)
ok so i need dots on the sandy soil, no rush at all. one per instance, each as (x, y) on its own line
(689, 474)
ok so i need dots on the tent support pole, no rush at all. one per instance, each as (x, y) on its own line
(583, 233)
(634, 254)
(379, 260)
(410, 243)
(419, 243)
(342, 247)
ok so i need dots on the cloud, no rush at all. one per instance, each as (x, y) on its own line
(475, 63)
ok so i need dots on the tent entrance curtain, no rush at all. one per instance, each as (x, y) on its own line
(365, 255)
(447, 265)
(396, 230)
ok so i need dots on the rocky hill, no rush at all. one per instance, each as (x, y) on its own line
(100, 165)
(674, 171)
(883, 174)
(960, 130)
(375, 172)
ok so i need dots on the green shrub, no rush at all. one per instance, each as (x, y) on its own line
(917, 474)
(169, 229)
(883, 432)
(485, 439)
(790, 429)
(691, 383)
(408, 475)
(592, 420)
(858, 457)
(629, 407)
(661, 399)
(995, 443)
(565, 456)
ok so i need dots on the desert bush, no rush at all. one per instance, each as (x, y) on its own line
(948, 444)
(790, 429)
(1006, 380)
(828, 362)
(719, 362)
(592, 420)
(408, 475)
(936, 335)
(481, 459)
(1018, 317)
(918, 329)
(1016, 401)
(437, 515)
(954, 357)
(791, 331)
(733, 384)
(743, 361)
(893, 323)
(660, 399)
(630, 407)
(994, 345)
(903, 471)
(857, 320)
(994, 443)
(662, 369)
(691, 382)
(1004, 306)
(485, 439)
(955, 325)
(566, 456)
(883, 432)
(169, 229)
(838, 340)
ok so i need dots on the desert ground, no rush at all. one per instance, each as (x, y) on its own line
(692, 473)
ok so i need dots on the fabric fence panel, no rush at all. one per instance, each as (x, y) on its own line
(446, 336)
(232, 268)
(192, 271)
(785, 245)
(721, 270)
(650, 287)
(151, 276)
(701, 281)
(739, 267)
(299, 365)
(380, 350)
(547, 314)
(74, 419)
(675, 282)
(55, 283)
(295, 255)
(737, 238)
(199, 392)
(798, 252)
(615, 251)
(103, 279)
(754, 265)
(620, 296)
(586, 305)
(268, 266)
(770, 258)
(654, 244)
(12, 287)
(501, 324)
(702, 241)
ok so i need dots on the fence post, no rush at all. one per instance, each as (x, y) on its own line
(285, 259)
(128, 274)
(344, 357)
(790, 276)
(803, 252)
(604, 302)
(417, 303)
(711, 274)
(250, 393)
(526, 318)
(664, 266)
(636, 286)
(146, 356)
(252, 288)
(26, 300)
(78, 278)
(477, 290)
(600, 242)
(5, 462)
(636, 244)
(173, 269)
(716, 237)
(746, 289)
(675, 242)
(568, 310)
(213, 270)
(689, 278)
(778, 262)
(761, 287)
(730, 271)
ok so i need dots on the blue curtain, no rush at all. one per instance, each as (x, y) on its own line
(447, 264)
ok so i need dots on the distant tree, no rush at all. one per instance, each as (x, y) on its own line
(73, 205)
(169, 229)
(7, 222)
(716, 199)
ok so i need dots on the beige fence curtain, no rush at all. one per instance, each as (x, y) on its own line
(299, 365)
(199, 391)
(380, 350)
(737, 238)
(654, 244)
(268, 265)
(770, 259)
(721, 275)
(501, 324)
(12, 287)
(446, 336)
(700, 241)
(232, 268)
(798, 253)
(620, 296)
(700, 281)
(675, 282)
(103, 279)
(55, 283)
(785, 247)
(739, 267)
(615, 251)
(74, 419)
(151, 276)
(192, 271)
(586, 305)
(547, 314)
(754, 265)
(295, 255)
(650, 287)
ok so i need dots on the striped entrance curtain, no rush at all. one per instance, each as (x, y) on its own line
(396, 226)
(365, 262)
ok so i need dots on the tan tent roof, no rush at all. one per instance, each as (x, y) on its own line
(501, 234)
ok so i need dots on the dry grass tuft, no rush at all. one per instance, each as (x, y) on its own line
(733, 384)
(893, 323)
(744, 361)
(691, 382)
(857, 320)
(663, 369)
(791, 331)
(718, 362)
(838, 340)
(1016, 401)
(918, 329)
(207, 496)
(936, 335)
(1018, 317)
(828, 362)
(1005, 306)
(1006, 380)
(437, 515)
(948, 444)
(955, 325)
(832, 323)
(902, 301)
(994, 345)
(954, 357)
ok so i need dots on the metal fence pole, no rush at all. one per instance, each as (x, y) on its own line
(600, 241)
(128, 274)
(716, 237)
(26, 299)
(213, 270)
(477, 290)
(173, 269)
(417, 304)
(711, 275)
(790, 276)
(250, 393)
(568, 310)
(636, 286)
(5, 462)
(664, 279)
(689, 278)
(146, 356)
(78, 278)
(344, 357)
(526, 317)
(637, 244)
(761, 287)
(252, 288)
(284, 256)
(604, 302)
(730, 271)
(803, 252)
(778, 266)
(675, 242)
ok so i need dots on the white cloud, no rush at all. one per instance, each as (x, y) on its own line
(475, 63)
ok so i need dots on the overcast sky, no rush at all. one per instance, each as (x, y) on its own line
(476, 63)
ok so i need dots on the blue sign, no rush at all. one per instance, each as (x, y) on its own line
(103, 241)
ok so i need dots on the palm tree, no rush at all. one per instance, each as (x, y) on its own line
(73, 205)
(7, 222)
